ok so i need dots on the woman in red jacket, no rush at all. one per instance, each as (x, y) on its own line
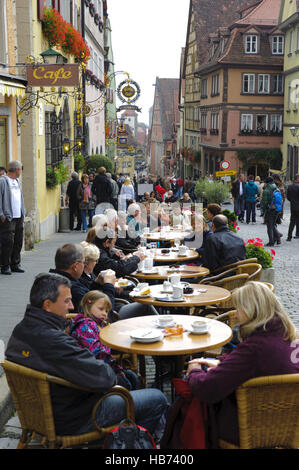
(267, 346)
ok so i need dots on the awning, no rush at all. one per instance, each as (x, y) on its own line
(12, 88)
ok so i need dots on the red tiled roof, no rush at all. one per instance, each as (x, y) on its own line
(265, 14)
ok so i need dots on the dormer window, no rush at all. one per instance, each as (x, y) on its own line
(251, 44)
(277, 45)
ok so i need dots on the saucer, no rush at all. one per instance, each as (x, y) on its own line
(168, 325)
(202, 332)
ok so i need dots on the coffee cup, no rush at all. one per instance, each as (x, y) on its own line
(162, 270)
(167, 287)
(174, 279)
(177, 292)
(199, 325)
(165, 319)
(141, 266)
(148, 263)
(182, 250)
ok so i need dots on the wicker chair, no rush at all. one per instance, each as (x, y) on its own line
(229, 283)
(30, 391)
(268, 413)
(233, 265)
(253, 269)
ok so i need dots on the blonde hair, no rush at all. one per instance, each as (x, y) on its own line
(90, 251)
(127, 182)
(260, 305)
(90, 298)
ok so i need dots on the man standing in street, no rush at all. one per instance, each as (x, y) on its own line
(12, 213)
(238, 195)
(102, 188)
(73, 201)
(251, 192)
(115, 191)
(293, 197)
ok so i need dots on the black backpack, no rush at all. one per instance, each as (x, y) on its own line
(129, 436)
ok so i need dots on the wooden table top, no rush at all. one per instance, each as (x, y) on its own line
(173, 256)
(186, 272)
(212, 295)
(117, 336)
(166, 236)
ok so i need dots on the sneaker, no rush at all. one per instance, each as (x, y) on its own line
(269, 244)
(289, 239)
(6, 270)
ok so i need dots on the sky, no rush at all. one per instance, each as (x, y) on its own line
(147, 38)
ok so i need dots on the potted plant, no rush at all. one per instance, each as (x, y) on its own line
(56, 175)
(255, 249)
(232, 220)
(211, 191)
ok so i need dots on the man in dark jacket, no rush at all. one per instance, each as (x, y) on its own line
(251, 192)
(222, 247)
(293, 197)
(39, 341)
(271, 215)
(238, 188)
(73, 201)
(102, 188)
(69, 262)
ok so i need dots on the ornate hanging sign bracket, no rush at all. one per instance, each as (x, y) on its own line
(128, 92)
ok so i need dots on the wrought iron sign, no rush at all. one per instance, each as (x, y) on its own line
(128, 92)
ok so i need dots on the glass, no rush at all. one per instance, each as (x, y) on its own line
(177, 330)
(177, 242)
(143, 243)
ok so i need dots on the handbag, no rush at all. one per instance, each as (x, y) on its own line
(129, 435)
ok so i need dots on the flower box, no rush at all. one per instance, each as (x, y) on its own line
(92, 9)
(96, 18)
(87, 2)
(101, 26)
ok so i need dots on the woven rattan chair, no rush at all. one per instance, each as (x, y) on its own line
(268, 413)
(233, 265)
(30, 391)
(253, 269)
(230, 283)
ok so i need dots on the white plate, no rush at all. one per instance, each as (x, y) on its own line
(169, 298)
(140, 296)
(203, 332)
(149, 271)
(146, 335)
(130, 283)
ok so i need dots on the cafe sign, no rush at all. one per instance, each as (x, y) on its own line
(57, 75)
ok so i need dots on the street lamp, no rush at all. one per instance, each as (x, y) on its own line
(52, 57)
(293, 131)
(67, 144)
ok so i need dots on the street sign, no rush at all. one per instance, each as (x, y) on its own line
(225, 173)
(225, 165)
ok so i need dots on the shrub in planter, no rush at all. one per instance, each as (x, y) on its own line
(79, 162)
(215, 191)
(56, 175)
(255, 249)
(96, 161)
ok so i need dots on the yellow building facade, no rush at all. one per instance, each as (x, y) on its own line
(289, 24)
(51, 118)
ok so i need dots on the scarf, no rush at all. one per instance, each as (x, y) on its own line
(86, 192)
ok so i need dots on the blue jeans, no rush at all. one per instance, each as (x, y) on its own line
(84, 217)
(149, 404)
(250, 209)
(239, 206)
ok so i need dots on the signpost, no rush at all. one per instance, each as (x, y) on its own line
(225, 173)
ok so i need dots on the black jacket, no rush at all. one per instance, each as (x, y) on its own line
(39, 341)
(71, 191)
(79, 289)
(102, 188)
(293, 196)
(222, 247)
(107, 260)
(236, 188)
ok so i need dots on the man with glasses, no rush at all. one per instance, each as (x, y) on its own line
(12, 213)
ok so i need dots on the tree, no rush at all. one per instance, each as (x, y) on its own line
(96, 161)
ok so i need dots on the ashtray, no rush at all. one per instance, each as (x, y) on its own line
(188, 290)
(165, 250)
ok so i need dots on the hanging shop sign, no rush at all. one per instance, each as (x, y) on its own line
(53, 75)
(128, 91)
(128, 106)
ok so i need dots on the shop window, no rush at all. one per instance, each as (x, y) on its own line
(3, 142)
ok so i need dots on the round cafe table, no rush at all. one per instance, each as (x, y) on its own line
(212, 295)
(173, 256)
(186, 272)
(167, 236)
(117, 337)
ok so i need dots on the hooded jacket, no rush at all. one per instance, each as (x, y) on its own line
(5, 199)
(251, 191)
(39, 341)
